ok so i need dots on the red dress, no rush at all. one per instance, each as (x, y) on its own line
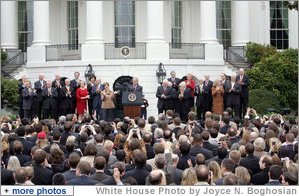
(81, 103)
(191, 85)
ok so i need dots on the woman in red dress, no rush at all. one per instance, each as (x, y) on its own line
(190, 83)
(81, 96)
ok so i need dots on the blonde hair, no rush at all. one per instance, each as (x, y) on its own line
(216, 82)
(274, 144)
(259, 144)
(30, 172)
(243, 175)
(13, 163)
(215, 168)
(189, 177)
(42, 143)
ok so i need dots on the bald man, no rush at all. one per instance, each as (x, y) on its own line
(243, 80)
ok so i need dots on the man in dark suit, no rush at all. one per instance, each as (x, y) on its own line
(57, 83)
(199, 99)
(150, 153)
(7, 177)
(39, 86)
(99, 165)
(175, 87)
(73, 161)
(207, 145)
(21, 86)
(28, 95)
(184, 95)
(198, 148)
(56, 134)
(66, 95)
(243, 80)
(26, 145)
(42, 174)
(233, 90)
(207, 98)
(227, 167)
(250, 162)
(50, 101)
(83, 170)
(18, 151)
(275, 173)
(262, 177)
(139, 173)
(135, 86)
(288, 149)
(74, 84)
(185, 156)
(164, 94)
(121, 167)
(96, 99)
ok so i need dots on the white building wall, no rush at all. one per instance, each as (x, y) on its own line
(293, 28)
(108, 21)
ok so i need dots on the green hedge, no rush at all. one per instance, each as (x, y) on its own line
(262, 99)
(4, 57)
(9, 91)
(256, 52)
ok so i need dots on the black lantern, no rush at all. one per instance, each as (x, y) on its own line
(88, 72)
(161, 73)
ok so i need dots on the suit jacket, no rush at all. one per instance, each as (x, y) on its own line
(132, 89)
(244, 86)
(96, 96)
(213, 148)
(74, 84)
(42, 175)
(185, 102)
(82, 180)
(70, 175)
(175, 83)
(199, 149)
(27, 145)
(99, 176)
(27, 99)
(7, 177)
(139, 174)
(233, 93)
(261, 178)
(199, 96)
(168, 94)
(57, 86)
(66, 100)
(183, 161)
(23, 159)
(251, 163)
(207, 89)
(39, 87)
(50, 100)
(20, 90)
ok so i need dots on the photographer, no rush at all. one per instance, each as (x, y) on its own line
(133, 142)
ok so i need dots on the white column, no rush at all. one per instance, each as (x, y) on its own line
(93, 49)
(9, 27)
(208, 32)
(240, 23)
(41, 34)
(208, 22)
(156, 47)
(41, 23)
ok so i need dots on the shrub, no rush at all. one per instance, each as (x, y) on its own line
(4, 57)
(278, 73)
(9, 91)
(255, 52)
(262, 99)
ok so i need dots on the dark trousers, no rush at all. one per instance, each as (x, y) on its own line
(235, 106)
(243, 105)
(99, 112)
(65, 111)
(199, 112)
(143, 113)
(27, 114)
(50, 113)
(21, 112)
(108, 115)
(38, 111)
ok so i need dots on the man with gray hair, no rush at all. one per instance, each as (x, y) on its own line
(39, 86)
(67, 94)
(184, 95)
(243, 80)
(233, 90)
(175, 86)
(135, 87)
(164, 94)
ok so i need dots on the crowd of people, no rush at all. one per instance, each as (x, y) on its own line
(261, 150)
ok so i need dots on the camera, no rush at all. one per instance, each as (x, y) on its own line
(134, 130)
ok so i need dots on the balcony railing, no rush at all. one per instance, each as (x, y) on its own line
(186, 51)
(63, 52)
(137, 52)
(236, 55)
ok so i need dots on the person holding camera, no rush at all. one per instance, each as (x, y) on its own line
(133, 142)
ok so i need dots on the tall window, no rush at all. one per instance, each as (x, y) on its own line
(72, 24)
(176, 26)
(279, 25)
(223, 22)
(25, 24)
(124, 28)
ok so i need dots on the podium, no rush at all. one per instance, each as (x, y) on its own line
(132, 102)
